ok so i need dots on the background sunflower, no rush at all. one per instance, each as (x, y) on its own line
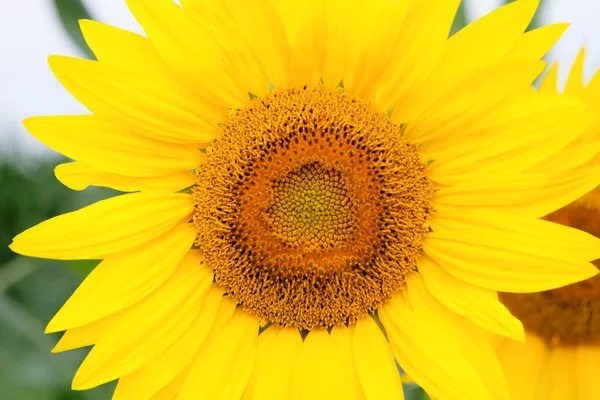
(31, 290)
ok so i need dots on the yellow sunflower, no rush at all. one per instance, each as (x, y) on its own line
(323, 188)
(560, 358)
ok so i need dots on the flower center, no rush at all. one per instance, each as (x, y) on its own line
(569, 315)
(311, 208)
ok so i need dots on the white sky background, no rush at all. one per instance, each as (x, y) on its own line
(30, 31)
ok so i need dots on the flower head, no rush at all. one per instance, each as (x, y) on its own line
(562, 348)
(321, 189)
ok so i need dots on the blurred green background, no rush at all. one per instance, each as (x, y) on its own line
(32, 290)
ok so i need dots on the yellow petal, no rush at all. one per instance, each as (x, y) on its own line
(518, 136)
(363, 39)
(532, 194)
(509, 253)
(275, 364)
(440, 350)
(171, 391)
(534, 44)
(469, 49)
(151, 326)
(557, 378)
(522, 364)
(467, 108)
(343, 339)
(587, 368)
(223, 365)
(375, 363)
(319, 373)
(105, 227)
(78, 176)
(196, 58)
(254, 38)
(121, 48)
(86, 335)
(124, 278)
(550, 82)
(160, 371)
(111, 146)
(153, 107)
(417, 51)
(591, 94)
(309, 49)
(575, 80)
(566, 160)
(479, 304)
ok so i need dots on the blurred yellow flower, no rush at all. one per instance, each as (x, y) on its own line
(348, 168)
(561, 356)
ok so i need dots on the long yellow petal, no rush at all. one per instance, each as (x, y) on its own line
(522, 364)
(343, 339)
(86, 335)
(105, 227)
(275, 365)
(111, 146)
(253, 37)
(557, 377)
(309, 46)
(509, 253)
(223, 365)
(440, 350)
(152, 107)
(124, 278)
(469, 49)
(467, 107)
(319, 372)
(534, 44)
(532, 194)
(568, 159)
(575, 80)
(79, 176)
(474, 302)
(587, 368)
(157, 374)
(375, 363)
(171, 391)
(550, 82)
(122, 48)
(196, 58)
(417, 51)
(518, 136)
(152, 326)
(363, 39)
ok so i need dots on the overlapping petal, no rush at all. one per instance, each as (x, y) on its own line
(123, 279)
(152, 326)
(79, 176)
(439, 349)
(105, 227)
(509, 253)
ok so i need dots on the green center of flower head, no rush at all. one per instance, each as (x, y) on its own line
(569, 315)
(311, 208)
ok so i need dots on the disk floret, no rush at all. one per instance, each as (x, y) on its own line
(311, 208)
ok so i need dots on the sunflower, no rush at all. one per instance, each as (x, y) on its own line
(560, 358)
(321, 189)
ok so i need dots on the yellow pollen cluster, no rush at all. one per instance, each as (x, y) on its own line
(569, 315)
(311, 208)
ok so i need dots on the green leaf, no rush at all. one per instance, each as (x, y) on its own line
(70, 12)
(535, 21)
